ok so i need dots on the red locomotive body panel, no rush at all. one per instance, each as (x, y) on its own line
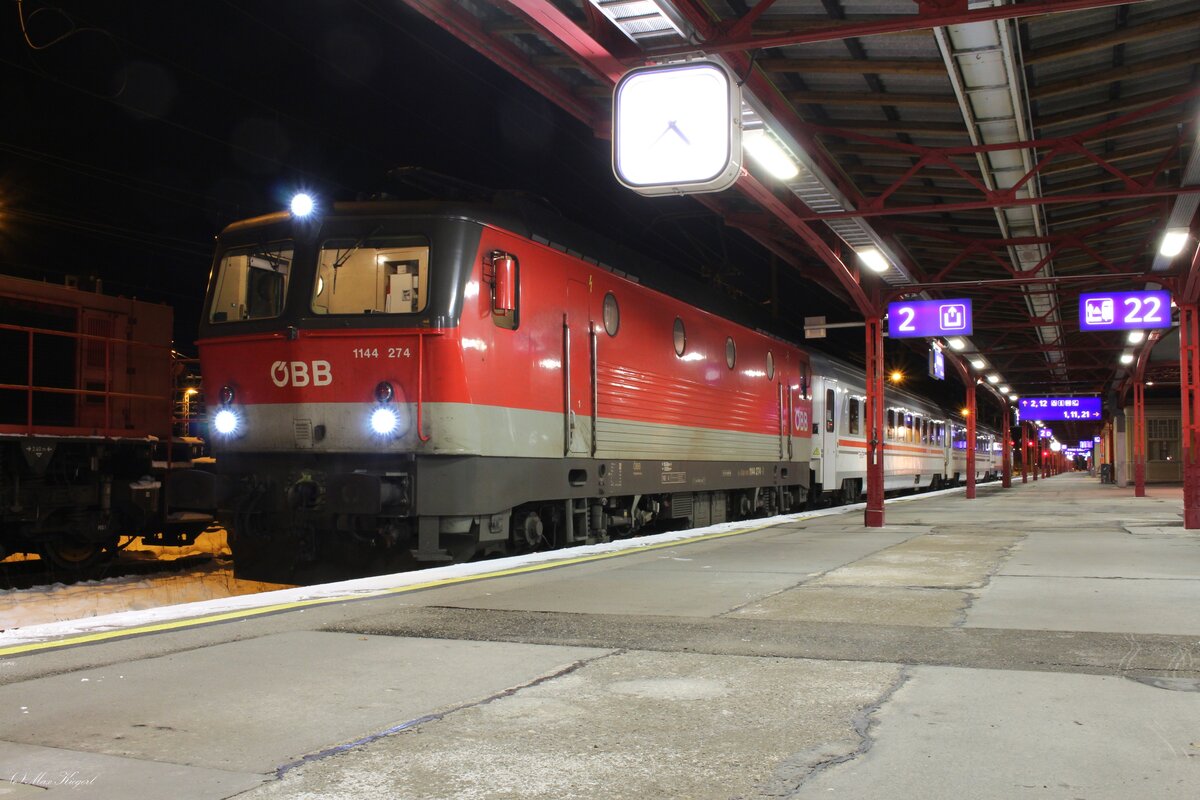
(639, 376)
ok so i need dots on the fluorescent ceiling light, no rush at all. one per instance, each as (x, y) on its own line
(993, 378)
(956, 343)
(769, 154)
(1135, 337)
(977, 363)
(1126, 358)
(1173, 241)
(1004, 390)
(874, 259)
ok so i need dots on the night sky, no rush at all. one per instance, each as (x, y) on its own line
(132, 133)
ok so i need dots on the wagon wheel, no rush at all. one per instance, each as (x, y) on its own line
(73, 554)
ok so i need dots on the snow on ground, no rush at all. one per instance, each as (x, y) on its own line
(58, 602)
(26, 617)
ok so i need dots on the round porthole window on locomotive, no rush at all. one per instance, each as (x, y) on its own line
(680, 337)
(612, 314)
(730, 352)
(770, 366)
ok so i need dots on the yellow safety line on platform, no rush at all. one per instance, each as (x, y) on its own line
(92, 638)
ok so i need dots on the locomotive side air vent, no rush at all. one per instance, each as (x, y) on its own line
(682, 505)
(577, 477)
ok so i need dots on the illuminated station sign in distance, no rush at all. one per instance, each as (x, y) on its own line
(1070, 409)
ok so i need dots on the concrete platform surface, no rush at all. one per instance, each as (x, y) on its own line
(1040, 641)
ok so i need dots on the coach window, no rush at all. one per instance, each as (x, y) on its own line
(612, 314)
(829, 401)
(852, 423)
(770, 366)
(383, 275)
(908, 428)
(680, 338)
(891, 424)
(252, 283)
(730, 352)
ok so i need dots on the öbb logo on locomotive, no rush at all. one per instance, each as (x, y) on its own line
(300, 374)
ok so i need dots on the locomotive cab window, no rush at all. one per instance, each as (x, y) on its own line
(372, 276)
(251, 283)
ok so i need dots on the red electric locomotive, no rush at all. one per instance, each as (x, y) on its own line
(418, 383)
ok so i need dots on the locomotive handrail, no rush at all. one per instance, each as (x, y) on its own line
(420, 382)
(595, 383)
(567, 417)
(30, 388)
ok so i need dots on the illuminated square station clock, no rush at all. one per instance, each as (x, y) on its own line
(677, 129)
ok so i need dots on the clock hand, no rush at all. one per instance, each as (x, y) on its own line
(673, 127)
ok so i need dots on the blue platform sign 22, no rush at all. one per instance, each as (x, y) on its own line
(1123, 311)
(922, 318)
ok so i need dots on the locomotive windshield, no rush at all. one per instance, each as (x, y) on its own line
(252, 282)
(372, 276)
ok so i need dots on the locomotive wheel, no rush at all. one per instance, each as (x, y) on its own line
(75, 555)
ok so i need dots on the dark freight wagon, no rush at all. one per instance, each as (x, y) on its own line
(88, 397)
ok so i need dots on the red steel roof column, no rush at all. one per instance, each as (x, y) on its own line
(1006, 477)
(971, 440)
(1139, 439)
(1189, 378)
(1024, 452)
(873, 516)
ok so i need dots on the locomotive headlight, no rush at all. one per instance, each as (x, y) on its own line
(385, 421)
(302, 204)
(225, 422)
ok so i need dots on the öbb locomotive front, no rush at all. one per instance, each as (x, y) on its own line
(418, 383)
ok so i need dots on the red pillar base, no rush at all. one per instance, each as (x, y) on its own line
(873, 518)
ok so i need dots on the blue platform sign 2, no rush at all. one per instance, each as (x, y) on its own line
(1124, 311)
(922, 318)
(1064, 408)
